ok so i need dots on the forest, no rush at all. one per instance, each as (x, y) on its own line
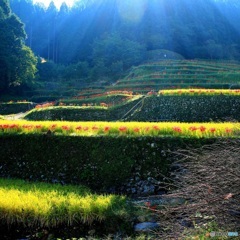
(98, 41)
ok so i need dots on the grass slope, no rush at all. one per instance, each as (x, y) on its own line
(180, 74)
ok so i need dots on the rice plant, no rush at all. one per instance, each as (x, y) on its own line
(133, 129)
(44, 205)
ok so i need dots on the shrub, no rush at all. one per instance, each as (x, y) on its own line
(208, 183)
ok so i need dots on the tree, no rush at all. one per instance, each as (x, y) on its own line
(115, 54)
(17, 62)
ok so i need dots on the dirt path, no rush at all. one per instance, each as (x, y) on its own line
(15, 116)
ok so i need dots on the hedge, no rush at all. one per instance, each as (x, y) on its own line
(101, 163)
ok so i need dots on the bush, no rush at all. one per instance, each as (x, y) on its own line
(208, 183)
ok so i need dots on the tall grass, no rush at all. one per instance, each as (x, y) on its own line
(211, 92)
(134, 129)
(41, 204)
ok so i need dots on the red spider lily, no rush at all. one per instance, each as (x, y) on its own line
(212, 130)
(53, 126)
(156, 128)
(103, 104)
(95, 128)
(202, 128)
(193, 128)
(191, 91)
(136, 129)
(27, 126)
(85, 128)
(66, 128)
(12, 126)
(38, 126)
(147, 129)
(147, 204)
(106, 129)
(150, 206)
(123, 129)
(78, 128)
(228, 130)
(5, 126)
(177, 129)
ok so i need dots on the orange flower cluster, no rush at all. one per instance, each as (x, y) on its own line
(200, 92)
(131, 129)
(45, 105)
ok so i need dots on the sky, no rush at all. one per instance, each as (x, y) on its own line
(57, 2)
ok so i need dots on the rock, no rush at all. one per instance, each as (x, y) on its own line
(146, 226)
(187, 223)
(148, 189)
(176, 167)
(176, 201)
(234, 213)
(133, 190)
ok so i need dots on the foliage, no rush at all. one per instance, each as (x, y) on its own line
(116, 54)
(18, 64)
(155, 24)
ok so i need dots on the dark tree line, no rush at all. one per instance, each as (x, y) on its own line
(17, 62)
(103, 38)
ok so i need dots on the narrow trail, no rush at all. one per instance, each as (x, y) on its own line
(15, 116)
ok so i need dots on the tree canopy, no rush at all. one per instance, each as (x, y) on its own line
(17, 61)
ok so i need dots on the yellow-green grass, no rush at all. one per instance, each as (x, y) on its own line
(193, 91)
(42, 204)
(161, 129)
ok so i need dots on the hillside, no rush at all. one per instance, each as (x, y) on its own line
(157, 75)
(180, 74)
